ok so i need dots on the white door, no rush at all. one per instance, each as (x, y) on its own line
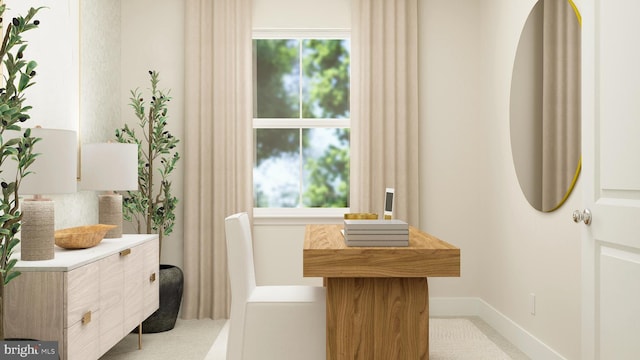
(611, 175)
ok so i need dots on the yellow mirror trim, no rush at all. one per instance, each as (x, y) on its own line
(573, 184)
(575, 9)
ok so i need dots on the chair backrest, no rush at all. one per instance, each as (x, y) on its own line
(240, 257)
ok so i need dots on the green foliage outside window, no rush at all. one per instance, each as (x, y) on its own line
(326, 70)
(325, 92)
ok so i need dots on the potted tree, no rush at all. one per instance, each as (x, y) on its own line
(16, 145)
(152, 207)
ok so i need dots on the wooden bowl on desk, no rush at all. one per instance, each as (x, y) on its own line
(81, 237)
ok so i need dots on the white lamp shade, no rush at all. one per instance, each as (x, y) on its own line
(109, 167)
(55, 170)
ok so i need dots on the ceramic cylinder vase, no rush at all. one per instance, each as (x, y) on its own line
(38, 226)
(110, 213)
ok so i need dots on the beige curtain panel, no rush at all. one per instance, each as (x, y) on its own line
(560, 102)
(384, 106)
(218, 173)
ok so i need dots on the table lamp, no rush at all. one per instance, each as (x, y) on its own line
(53, 172)
(110, 167)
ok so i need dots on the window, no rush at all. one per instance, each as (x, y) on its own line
(301, 122)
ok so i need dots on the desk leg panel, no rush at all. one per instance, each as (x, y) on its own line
(349, 320)
(377, 318)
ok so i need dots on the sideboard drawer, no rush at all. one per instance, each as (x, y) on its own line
(82, 338)
(151, 274)
(133, 285)
(111, 301)
(34, 304)
(83, 292)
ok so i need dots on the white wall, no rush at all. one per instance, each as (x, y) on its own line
(119, 42)
(99, 105)
(55, 97)
(54, 46)
(471, 193)
(525, 251)
(153, 39)
(301, 14)
(96, 51)
(453, 154)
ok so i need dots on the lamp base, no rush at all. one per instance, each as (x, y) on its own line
(110, 213)
(38, 226)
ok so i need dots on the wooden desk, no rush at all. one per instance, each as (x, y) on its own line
(377, 297)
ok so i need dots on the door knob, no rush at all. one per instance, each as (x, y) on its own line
(584, 216)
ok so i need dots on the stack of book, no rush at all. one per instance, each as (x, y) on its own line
(376, 233)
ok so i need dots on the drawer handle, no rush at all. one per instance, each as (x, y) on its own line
(152, 278)
(125, 252)
(86, 318)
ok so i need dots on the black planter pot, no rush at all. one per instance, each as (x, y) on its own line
(171, 285)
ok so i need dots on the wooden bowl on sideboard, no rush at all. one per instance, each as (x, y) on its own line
(81, 237)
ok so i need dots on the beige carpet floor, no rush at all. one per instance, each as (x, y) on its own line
(189, 340)
(458, 339)
(467, 338)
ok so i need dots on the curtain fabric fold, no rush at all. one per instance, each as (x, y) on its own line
(384, 106)
(561, 74)
(218, 138)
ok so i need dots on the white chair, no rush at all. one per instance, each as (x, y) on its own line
(269, 322)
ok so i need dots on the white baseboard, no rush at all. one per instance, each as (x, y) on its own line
(473, 306)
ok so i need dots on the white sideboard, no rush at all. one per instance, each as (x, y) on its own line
(86, 300)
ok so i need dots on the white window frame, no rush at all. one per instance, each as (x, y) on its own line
(300, 215)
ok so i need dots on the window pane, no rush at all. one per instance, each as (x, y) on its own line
(276, 79)
(325, 79)
(326, 167)
(276, 173)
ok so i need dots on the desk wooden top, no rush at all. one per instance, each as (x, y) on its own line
(326, 254)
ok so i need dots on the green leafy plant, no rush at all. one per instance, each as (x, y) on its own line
(152, 207)
(16, 145)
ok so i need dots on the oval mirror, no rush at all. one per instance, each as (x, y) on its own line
(545, 104)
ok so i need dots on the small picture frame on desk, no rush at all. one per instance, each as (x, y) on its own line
(389, 203)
